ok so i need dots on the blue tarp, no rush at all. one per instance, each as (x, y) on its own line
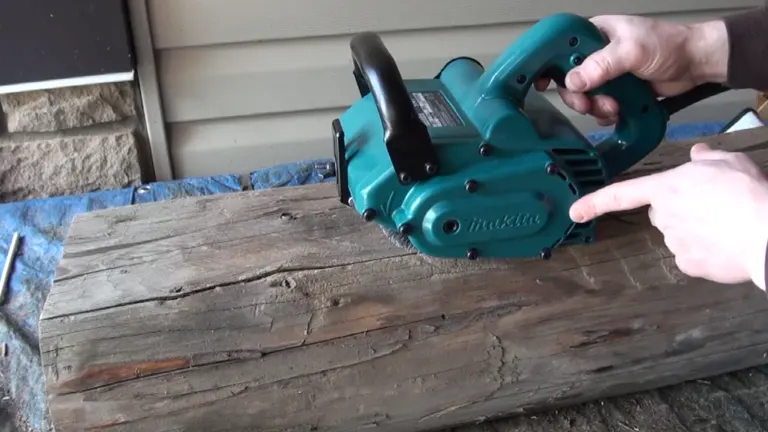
(43, 225)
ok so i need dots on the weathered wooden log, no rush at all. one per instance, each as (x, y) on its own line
(283, 310)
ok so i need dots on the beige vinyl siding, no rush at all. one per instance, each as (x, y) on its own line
(248, 83)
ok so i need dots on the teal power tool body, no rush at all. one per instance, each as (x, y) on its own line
(476, 163)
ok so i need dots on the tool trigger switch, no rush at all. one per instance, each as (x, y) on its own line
(555, 74)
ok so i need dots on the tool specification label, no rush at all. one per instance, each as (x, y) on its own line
(434, 110)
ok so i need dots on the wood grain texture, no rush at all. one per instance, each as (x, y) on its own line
(282, 310)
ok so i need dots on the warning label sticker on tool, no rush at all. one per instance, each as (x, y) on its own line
(434, 110)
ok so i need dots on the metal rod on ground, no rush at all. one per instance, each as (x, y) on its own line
(6, 276)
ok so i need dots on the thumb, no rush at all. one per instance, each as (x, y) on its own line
(626, 195)
(597, 69)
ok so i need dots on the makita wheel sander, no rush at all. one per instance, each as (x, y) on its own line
(476, 163)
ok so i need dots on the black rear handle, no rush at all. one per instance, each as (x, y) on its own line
(407, 139)
(673, 104)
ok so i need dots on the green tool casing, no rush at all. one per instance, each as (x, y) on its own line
(476, 162)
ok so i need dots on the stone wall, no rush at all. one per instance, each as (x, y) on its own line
(69, 141)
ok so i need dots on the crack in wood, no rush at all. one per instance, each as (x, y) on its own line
(119, 372)
(595, 337)
(122, 267)
(189, 364)
(190, 292)
(458, 322)
(116, 247)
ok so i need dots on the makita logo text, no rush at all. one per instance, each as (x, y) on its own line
(519, 220)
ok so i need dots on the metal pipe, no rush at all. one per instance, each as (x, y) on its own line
(6, 276)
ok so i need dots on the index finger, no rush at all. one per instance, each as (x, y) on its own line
(625, 195)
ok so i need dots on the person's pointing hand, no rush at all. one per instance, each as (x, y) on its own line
(712, 211)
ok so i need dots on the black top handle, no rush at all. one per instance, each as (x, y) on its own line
(408, 142)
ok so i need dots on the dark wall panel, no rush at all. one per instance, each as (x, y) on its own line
(44, 40)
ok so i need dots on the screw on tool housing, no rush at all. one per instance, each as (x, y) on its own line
(551, 168)
(546, 253)
(369, 214)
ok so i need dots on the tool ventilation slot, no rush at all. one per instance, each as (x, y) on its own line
(585, 169)
(577, 233)
(586, 173)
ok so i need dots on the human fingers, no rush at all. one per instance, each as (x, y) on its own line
(625, 195)
(607, 121)
(541, 84)
(653, 216)
(575, 101)
(745, 164)
(701, 151)
(690, 265)
(669, 88)
(666, 220)
(721, 271)
(607, 24)
(737, 160)
(678, 244)
(598, 68)
(604, 106)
